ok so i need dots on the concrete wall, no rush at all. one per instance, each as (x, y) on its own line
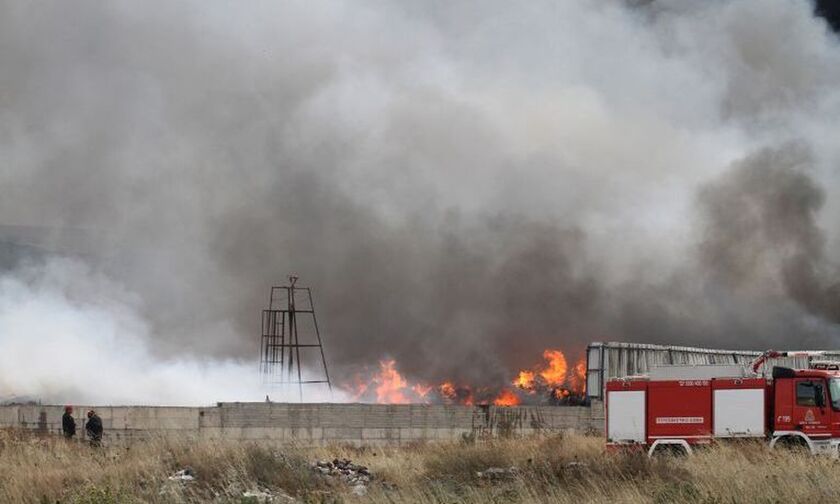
(315, 424)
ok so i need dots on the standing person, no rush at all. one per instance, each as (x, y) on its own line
(94, 428)
(68, 424)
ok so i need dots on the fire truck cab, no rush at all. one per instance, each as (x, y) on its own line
(806, 407)
(697, 407)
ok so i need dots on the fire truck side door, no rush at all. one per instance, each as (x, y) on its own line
(811, 413)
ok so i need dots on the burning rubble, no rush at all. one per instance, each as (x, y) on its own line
(552, 381)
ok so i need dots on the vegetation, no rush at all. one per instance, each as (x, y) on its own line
(570, 468)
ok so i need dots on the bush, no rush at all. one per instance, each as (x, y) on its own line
(287, 470)
(461, 462)
(101, 495)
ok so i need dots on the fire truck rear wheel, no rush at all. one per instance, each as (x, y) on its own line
(793, 444)
(669, 450)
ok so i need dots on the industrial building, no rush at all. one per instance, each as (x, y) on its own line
(605, 361)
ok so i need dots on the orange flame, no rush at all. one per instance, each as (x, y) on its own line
(553, 377)
(421, 390)
(358, 388)
(506, 398)
(447, 390)
(468, 399)
(555, 373)
(560, 393)
(390, 384)
(526, 380)
(578, 379)
(457, 394)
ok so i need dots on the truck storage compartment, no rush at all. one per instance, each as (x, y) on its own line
(739, 407)
(626, 412)
(679, 409)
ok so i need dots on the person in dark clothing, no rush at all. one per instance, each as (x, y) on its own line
(94, 428)
(68, 424)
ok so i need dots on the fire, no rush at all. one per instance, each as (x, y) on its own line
(555, 374)
(551, 380)
(506, 398)
(554, 378)
(358, 388)
(447, 390)
(578, 379)
(390, 384)
(422, 390)
(560, 393)
(526, 380)
(456, 394)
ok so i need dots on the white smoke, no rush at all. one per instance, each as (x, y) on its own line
(69, 334)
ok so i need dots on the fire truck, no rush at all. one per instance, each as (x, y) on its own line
(680, 408)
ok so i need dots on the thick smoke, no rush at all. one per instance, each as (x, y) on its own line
(762, 233)
(461, 185)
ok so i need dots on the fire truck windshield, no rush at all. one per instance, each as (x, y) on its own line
(834, 390)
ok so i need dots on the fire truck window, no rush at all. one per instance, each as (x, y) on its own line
(819, 394)
(806, 394)
(834, 391)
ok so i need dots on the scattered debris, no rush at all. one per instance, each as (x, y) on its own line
(498, 473)
(574, 469)
(185, 474)
(177, 482)
(263, 496)
(357, 476)
(257, 496)
(360, 490)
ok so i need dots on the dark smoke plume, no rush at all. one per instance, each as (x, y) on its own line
(761, 230)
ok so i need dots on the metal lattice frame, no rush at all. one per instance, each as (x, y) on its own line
(280, 361)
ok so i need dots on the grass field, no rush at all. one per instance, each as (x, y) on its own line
(564, 469)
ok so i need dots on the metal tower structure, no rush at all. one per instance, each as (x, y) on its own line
(280, 362)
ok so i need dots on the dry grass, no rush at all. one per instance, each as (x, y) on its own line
(572, 469)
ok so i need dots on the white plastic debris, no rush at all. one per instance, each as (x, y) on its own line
(498, 473)
(186, 474)
(360, 490)
(258, 496)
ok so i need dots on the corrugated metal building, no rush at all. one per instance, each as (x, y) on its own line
(605, 361)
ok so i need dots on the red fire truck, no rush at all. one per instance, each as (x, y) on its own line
(681, 408)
